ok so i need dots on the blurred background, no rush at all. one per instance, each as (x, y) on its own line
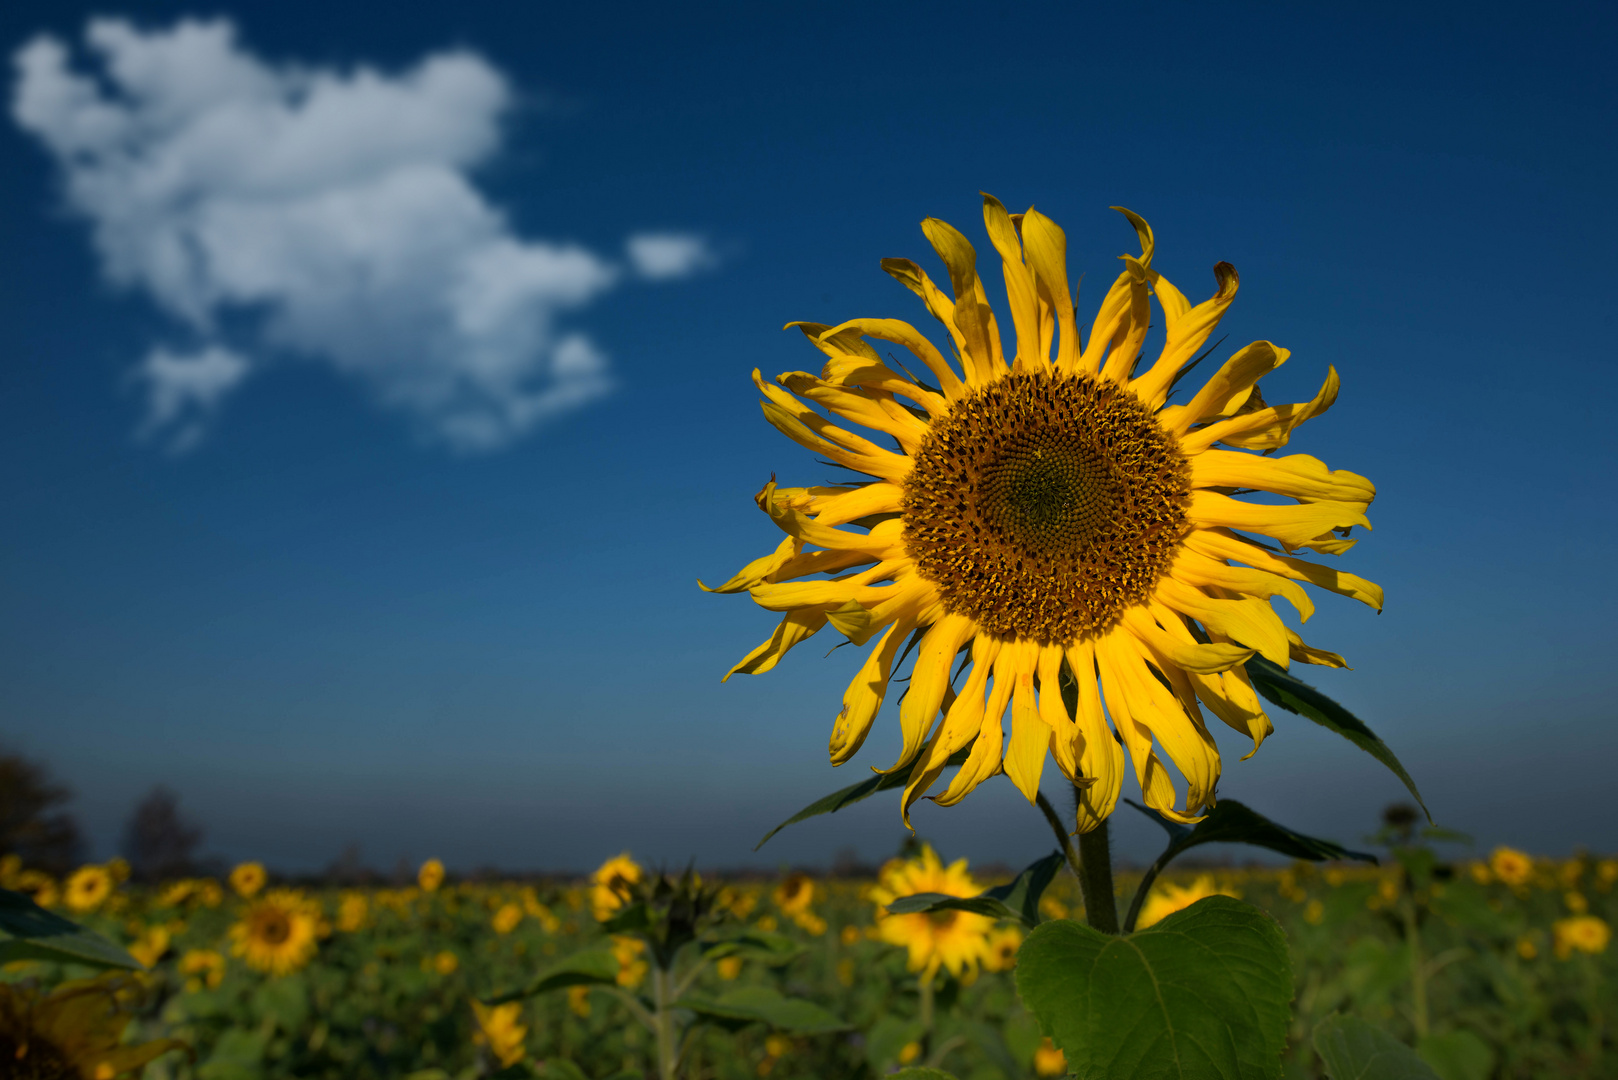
(376, 390)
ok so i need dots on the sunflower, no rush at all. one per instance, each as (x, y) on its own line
(430, 876)
(794, 894)
(204, 967)
(609, 885)
(352, 911)
(1048, 516)
(1003, 946)
(1586, 933)
(87, 888)
(278, 932)
(74, 1031)
(957, 940)
(1511, 866)
(1166, 899)
(506, 919)
(501, 1030)
(248, 878)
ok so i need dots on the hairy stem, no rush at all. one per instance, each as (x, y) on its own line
(1095, 879)
(667, 1046)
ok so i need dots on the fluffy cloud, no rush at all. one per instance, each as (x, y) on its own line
(331, 212)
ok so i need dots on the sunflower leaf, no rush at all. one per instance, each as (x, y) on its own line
(1204, 993)
(924, 902)
(1355, 1050)
(830, 804)
(763, 1005)
(772, 949)
(591, 967)
(1294, 695)
(37, 934)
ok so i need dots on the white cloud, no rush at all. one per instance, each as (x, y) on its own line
(335, 211)
(667, 256)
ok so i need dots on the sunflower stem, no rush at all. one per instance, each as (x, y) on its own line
(1063, 837)
(667, 1044)
(1095, 879)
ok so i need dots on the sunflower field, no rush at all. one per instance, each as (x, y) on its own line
(1493, 968)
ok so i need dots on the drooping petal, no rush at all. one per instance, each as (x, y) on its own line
(961, 725)
(808, 428)
(1188, 654)
(865, 407)
(846, 506)
(1298, 476)
(1224, 544)
(1065, 739)
(1030, 735)
(1186, 329)
(985, 757)
(1228, 695)
(1142, 708)
(929, 680)
(863, 698)
(1264, 429)
(796, 627)
(1226, 390)
(1293, 525)
(981, 356)
(1251, 622)
(1101, 754)
(902, 333)
(1020, 292)
(757, 571)
(1194, 568)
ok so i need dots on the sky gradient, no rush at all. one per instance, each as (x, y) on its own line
(325, 618)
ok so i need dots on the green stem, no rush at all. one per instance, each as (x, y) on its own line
(1418, 972)
(1063, 837)
(925, 987)
(1095, 879)
(667, 1047)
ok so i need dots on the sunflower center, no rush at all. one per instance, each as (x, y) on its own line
(1042, 506)
(274, 928)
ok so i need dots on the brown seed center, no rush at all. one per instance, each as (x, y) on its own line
(1042, 506)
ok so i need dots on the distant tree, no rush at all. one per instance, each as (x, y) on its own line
(158, 841)
(31, 825)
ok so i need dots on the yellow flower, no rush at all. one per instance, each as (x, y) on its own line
(767, 923)
(205, 965)
(1166, 899)
(87, 888)
(446, 963)
(777, 1045)
(248, 878)
(729, 967)
(39, 885)
(1576, 902)
(74, 1031)
(1480, 872)
(506, 919)
(1586, 933)
(1048, 1060)
(1314, 913)
(118, 867)
(10, 867)
(909, 1052)
(739, 902)
(794, 894)
(1607, 871)
(631, 956)
(578, 1000)
(1058, 519)
(1052, 908)
(501, 1030)
(352, 911)
(1511, 866)
(849, 935)
(278, 933)
(430, 876)
(610, 884)
(1003, 946)
(151, 946)
(958, 940)
(1526, 947)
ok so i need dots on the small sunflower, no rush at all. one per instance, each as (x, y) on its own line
(1048, 517)
(151, 945)
(1515, 868)
(1003, 946)
(500, 1028)
(609, 885)
(1166, 899)
(430, 876)
(278, 933)
(1585, 933)
(202, 967)
(957, 940)
(794, 894)
(507, 918)
(352, 912)
(248, 878)
(631, 956)
(1049, 1060)
(75, 1031)
(87, 888)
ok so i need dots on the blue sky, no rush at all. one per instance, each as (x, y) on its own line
(353, 576)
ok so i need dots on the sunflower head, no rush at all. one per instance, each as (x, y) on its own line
(352, 912)
(611, 885)
(794, 894)
(248, 879)
(1513, 867)
(1168, 898)
(956, 940)
(1049, 524)
(278, 933)
(203, 967)
(74, 1032)
(87, 888)
(430, 876)
(500, 1028)
(1003, 946)
(1583, 933)
(507, 918)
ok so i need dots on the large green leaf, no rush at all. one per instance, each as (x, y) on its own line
(1294, 695)
(1354, 1050)
(592, 967)
(765, 1005)
(1457, 1055)
(1018, 899)
(1232, 822)
(830, 804)
(1202, 995)
(772, 949)
(37, 934)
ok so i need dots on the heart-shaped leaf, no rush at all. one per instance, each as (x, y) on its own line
(762, 1004)
(1355, 1050)
(592, 967)
(1202, 995)
(37, 934)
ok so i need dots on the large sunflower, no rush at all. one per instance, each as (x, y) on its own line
(278, 933)
(74, 1032)
(1052, 519)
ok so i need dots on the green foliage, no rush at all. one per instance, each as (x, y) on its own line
(37, 934)
(589, 967)
(1457, 1055)
(1355, 1050)
(762, 1005)
(837, 800)
(918, 1073)
(1203, 994)
(1018, 900)
(1293, 694)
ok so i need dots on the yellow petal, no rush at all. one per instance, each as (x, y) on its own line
(984, 759)
(835, 340)
(1228, 695)
(1065, 740)
(1030, 735)
(863, 698)
(1226, 389)
(962, 721)
(1251, 622)
(1263, 429)
(981, 354)
(1195, 568)
(902, 333)
(1224, 544)
(1295, 525)
(863, 501)
(1296, 475)
(1131, 689)
(1305, 653)
(797, 626)
(1186, 330)
(758, 570)
(1187, 654)
(1045, 252)
(874, 409)
(1020, 292)
(1101, 755)
(929, 679)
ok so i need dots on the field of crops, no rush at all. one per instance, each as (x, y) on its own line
(1501, 966)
